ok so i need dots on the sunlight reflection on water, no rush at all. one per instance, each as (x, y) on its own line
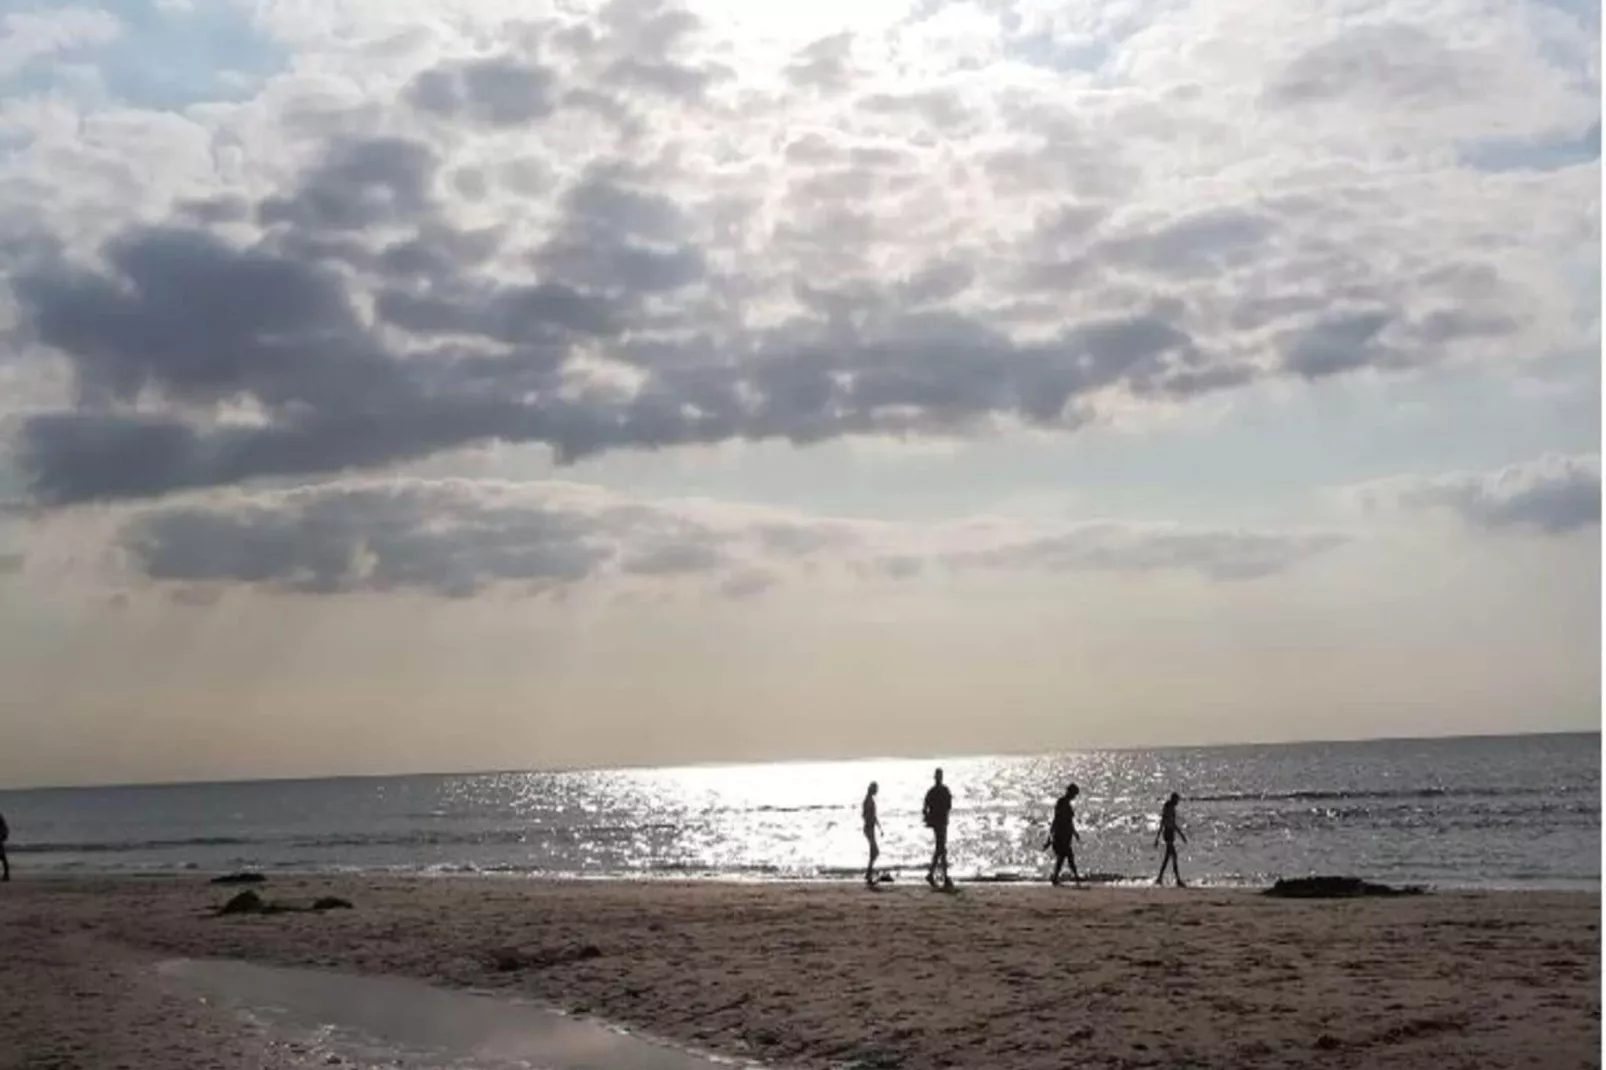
(1490, 811)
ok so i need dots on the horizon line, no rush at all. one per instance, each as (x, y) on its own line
(727, 763)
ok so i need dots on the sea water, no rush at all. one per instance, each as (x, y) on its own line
(1492, 812)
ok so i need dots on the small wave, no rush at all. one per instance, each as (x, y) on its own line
(113, 846)
(409, 838)
(1341, 795)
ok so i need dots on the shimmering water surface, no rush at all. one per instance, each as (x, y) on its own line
(1518, 811)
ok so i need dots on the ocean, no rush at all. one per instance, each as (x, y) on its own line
(1518, 812)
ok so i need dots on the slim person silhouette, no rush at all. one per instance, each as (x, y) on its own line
(872, 825)
(1170, 830)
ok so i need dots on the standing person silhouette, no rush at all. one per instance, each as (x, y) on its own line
(872, 825)
(1062, 835)
(5, 833)
(939, 802)
(1170, 830)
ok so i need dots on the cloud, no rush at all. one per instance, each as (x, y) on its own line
(374, 261)
(1394, 62)
(28, 37)
(497, 90)
(1554, 495)
(825, 64)
(442, 539)
(456, 538)
(1113, 547)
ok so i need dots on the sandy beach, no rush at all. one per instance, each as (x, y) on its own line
(837, 976)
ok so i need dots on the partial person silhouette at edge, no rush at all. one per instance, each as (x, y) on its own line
(5, 834)
(872, 825)
(939, 803)
(1170, 830)
(1062, 835)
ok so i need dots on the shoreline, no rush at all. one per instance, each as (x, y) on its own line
(825, 974)
(832, 879)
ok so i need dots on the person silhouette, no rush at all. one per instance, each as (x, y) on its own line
(1062, 834)
(1170, 830)
(5, 833)
(872, 825)
(939, 802)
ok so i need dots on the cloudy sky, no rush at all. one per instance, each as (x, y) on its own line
(391, 385)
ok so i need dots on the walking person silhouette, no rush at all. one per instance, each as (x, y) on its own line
(939, 802)
(1062, 835)
(872, 825)
(1170, 830)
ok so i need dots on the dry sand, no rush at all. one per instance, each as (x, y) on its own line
(839, 976)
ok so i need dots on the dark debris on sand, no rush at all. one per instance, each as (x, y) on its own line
(249, 902)
(239, 878)
(1334, 888)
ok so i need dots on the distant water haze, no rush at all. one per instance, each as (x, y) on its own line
(1514, 811)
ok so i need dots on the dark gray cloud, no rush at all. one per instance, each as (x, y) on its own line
(497, 90)
(674, 559)
(338, 399)
(436, 539)
(615, 238)
(1554, 495)
(182, 312)
(448, 538)
(360, 183)
(456, 538)
(183, 315)
(1338, 343)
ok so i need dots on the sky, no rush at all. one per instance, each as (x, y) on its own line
(399, 386)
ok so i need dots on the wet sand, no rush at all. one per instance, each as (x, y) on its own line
(839, 976)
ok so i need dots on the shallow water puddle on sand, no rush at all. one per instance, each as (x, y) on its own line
(373, 1022)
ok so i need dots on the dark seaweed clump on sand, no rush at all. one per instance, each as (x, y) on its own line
(249, 902)
(1333, 888)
